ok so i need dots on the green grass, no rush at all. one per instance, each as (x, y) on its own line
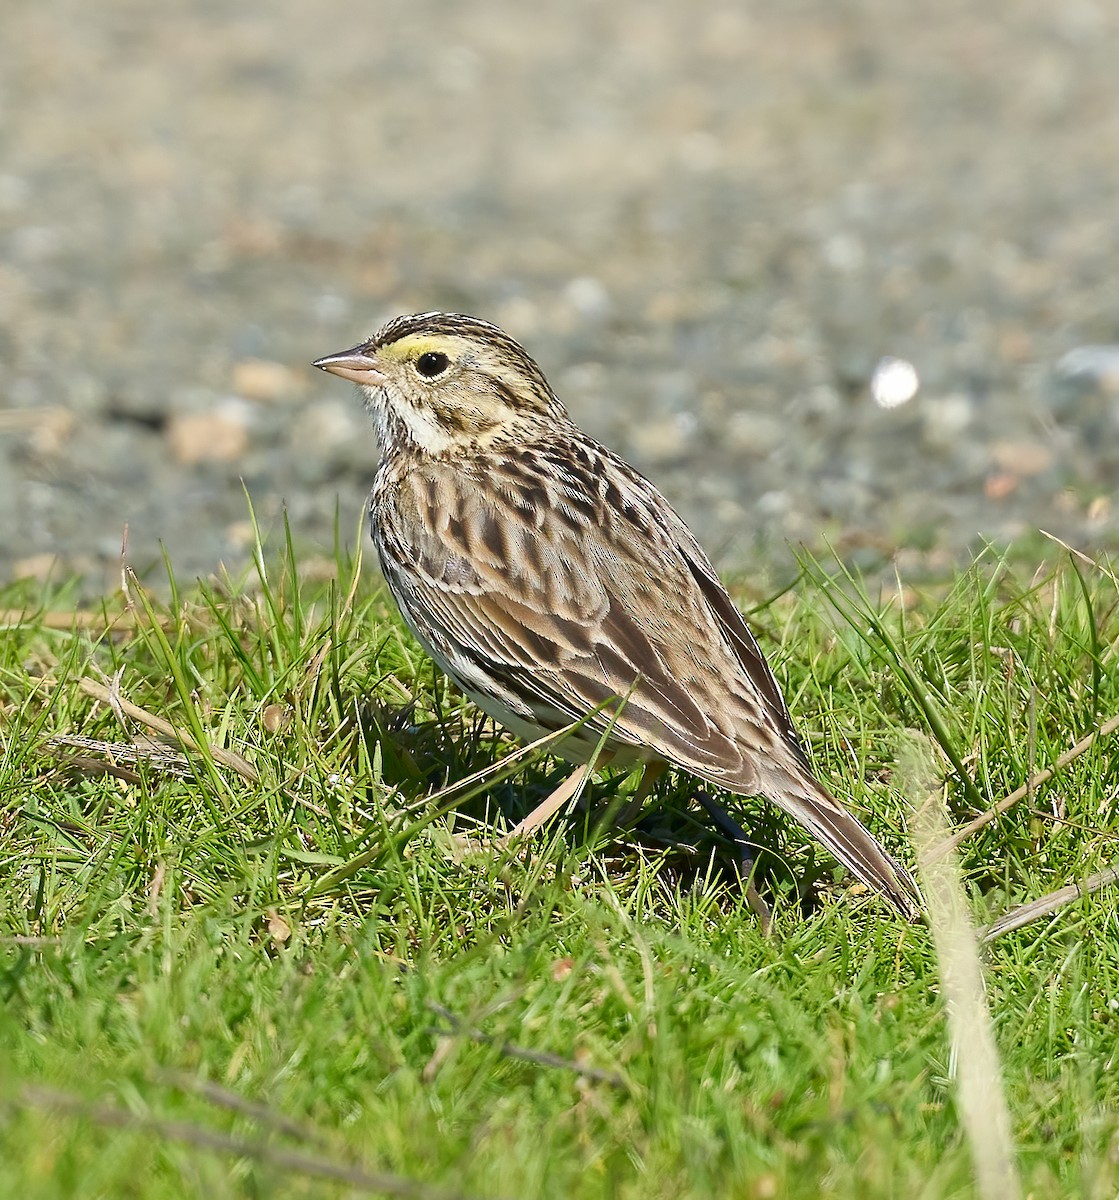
(224, 986)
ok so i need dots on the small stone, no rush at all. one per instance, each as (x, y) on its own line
(260, 379)
(240, 534)
(519, 316)
(588, 297)
(278, 928)
(46, 428)
(329, 435)
(330, 308)
(1067, 502)
(317, 568)
(218, 435)
(39, 567)
(275, 717)
(51, 431)
(1021, 458)
(662, 308)
(755, 434)
(944, 419)
(1000, 485)
(1097, 364)
(821, 402)
(1015, 345)
(1099, 509)
(894, 382)
(660, 440)
(1082, 392)
(774, 504)
(844, 252)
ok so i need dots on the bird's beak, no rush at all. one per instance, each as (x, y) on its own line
(357, 365)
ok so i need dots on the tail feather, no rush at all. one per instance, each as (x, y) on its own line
(809, 802)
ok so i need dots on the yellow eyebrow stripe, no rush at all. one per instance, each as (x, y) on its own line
(413, 345)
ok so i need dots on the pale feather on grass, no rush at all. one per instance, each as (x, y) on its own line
(1023, 914)
(123, 708)
(949, 841)
(975, 1057)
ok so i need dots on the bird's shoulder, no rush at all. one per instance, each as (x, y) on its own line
(550, 517)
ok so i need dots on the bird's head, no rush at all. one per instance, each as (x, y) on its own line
(443, 382)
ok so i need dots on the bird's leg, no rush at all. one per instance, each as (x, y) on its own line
(744, 865)
(651, 772)
(549, 807)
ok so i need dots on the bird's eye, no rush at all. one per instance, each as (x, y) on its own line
(432, 363)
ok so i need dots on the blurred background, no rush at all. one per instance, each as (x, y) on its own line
(830, 271)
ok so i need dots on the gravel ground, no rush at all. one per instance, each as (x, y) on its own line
(709, 232)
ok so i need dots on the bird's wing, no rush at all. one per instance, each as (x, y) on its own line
(581, 593)
(568, 581)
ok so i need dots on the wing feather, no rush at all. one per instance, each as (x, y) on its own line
(610, 596)
(517, 604)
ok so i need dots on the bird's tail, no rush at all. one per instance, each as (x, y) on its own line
(802, 796)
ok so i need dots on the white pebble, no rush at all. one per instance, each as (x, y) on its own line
(894, 382)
